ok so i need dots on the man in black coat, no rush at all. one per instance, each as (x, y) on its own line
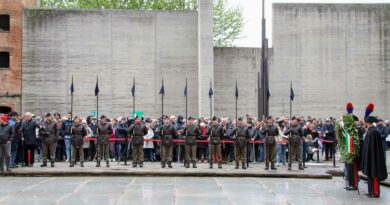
(28, 134)
(373, 159)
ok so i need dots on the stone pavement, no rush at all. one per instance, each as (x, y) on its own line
(181, 190)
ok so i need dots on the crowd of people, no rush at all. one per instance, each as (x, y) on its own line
(26, 139)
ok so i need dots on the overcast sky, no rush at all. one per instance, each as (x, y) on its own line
(252, 17)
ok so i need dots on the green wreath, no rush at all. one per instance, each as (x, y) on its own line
(349, 128)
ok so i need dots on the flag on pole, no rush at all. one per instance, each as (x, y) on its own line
(97, 87)
(211, 93)
(236, 90)
(268, 94)
(291, 93)
(133, 88)
(185, 89)
(72, 87)
(162, 90)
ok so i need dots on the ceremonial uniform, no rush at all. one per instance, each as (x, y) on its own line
(104, 130)
(216, 134)
(138, 131)
(167, 133)
(295, 150)
(191, 132)
(242, 135)
(78, 132)
(271, 132)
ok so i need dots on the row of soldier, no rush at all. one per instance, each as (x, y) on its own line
(49, 131)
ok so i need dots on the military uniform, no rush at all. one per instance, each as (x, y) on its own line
(167, 133)
(78, 132)
(271, 132)
(138, 131)
(104, 130)
(295, 151)
(49, 135)
(191, 133)
(216, 133)
(242, 135)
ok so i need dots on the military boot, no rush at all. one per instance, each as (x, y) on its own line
(273, 166)
(289, 167)
(52, 164)
(107, 163)
(211, 165)
(187, 164)
(71, 164)
(82, 164)
(301, 167)
(194, 164)
(141, 164)
(44, 164)
(219, 166)
(243, 166)
(266, 166)
(98, 164)
(163, 164)
(237, 165)
(169, 164)
(134, 164)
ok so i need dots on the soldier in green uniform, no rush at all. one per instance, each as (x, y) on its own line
(78, 132)
(167, 133)
(104, 130)
(138, 131)
(271, 132)
(49, 134)
(241, 136)
(295, 133)
(191, 133)
(216, 132)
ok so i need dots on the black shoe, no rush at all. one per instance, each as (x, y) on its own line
(273, 166)
(163, 165)
(51, 164)
(301, 167)
(141, 164)
(350, 188)
(107, 163)
(219, 166)
(237, 166)
(98, 164)
(194, 165)
(243, 166)
(71, 165)
(289, 167)
(44, 165)
(211, 166)
(7, 169)
(134, 165)
(187, 165)
(82, 164)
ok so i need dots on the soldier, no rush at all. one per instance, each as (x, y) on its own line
(167, 133)
(191, 132)
(137, 131)
(241, 135)
(104, 130)
(78, 132)
(216, 133)
(270, 132)
(295, 133)
(49, 134)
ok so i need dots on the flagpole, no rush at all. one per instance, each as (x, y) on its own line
(211, 103)
(289, 122)
(71, 100)
(133, 97)
(162, 101)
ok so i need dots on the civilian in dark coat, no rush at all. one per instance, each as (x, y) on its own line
(28, 134)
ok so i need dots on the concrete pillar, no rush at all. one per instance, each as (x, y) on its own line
(206, 55)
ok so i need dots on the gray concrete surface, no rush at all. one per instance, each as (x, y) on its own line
(177, 190)
(333, 54)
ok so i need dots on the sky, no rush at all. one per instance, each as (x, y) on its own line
(252, 17)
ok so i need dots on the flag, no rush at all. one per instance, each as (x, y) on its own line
(268, 94)
(133, 88)
(162, 90)
(72, 87)
(185, 89)
(211, 93)
(97, 87)
(291, 93)
(236, 90)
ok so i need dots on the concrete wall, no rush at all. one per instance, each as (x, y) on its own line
(231, 65)
(116, 45)
(333, 54)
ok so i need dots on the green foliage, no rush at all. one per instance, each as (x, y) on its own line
(351, 128)
(228, 21)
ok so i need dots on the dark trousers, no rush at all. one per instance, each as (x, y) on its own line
(352, 174)
(30, 148)
(60, 150)
(373, 186)
(328, 151)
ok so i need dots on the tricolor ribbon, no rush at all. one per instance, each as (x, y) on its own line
(348, 138)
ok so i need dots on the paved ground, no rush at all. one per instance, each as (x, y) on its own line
(180, 190)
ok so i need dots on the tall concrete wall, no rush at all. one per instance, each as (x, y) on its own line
(333, 54)
(116, 45)
(231, 65)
